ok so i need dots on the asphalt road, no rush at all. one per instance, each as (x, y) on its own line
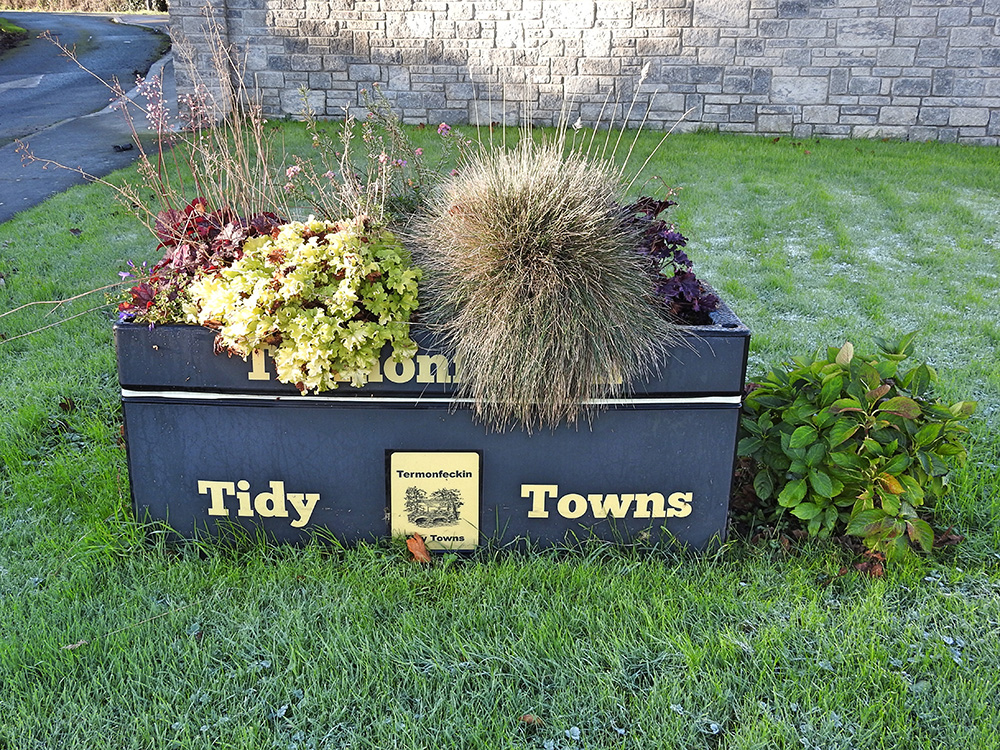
(40, 87)
(59, 108)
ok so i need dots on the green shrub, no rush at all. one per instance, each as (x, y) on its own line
(854, 443)
(532, 277)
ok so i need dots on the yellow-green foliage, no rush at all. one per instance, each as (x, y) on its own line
(326, 297)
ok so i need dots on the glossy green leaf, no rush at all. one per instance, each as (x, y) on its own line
(792, 493)
(902, 406)
(803, 436)
(921, 534)
(805, 511)
(841, 431)
(867, 521)
(763, 484)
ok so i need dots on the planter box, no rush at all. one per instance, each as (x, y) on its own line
(215, 440)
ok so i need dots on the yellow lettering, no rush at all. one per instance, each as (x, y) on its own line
(539, 493)
(649, 505)
(375, 376)
(258, 365)
(680, 504)
(572, 505)
(432, 369)
(244, 498)
(400, 372)
(216, 493)
(271, 503)
(304, 504)
(614, 505)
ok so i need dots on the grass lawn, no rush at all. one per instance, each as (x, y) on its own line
(754, 646)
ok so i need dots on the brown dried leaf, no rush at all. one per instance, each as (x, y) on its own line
(67, 404)
(418, 549)
(948, 538)
(532, 720)
(75, 646)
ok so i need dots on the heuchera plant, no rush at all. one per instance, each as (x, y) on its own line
(193, 239)
(854, 443)
(686, 298)
(324, 297)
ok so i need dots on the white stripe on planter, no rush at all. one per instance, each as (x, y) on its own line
(443, 400)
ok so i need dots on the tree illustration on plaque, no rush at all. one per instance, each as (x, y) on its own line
(440, 508)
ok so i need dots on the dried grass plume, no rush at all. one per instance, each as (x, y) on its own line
(532, 279)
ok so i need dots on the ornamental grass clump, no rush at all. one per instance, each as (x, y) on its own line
(324, 297)
(532, 278)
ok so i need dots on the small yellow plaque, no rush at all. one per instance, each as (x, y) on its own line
(435, 494)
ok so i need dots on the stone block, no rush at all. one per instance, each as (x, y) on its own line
(865, 32)
(864, 85)
(820, 114)
(569, 14)
(596, 43)
(972, 36)
(736, 84)
(916, 27)
(933, 115)
(923, 134)
(307, 63)
(894, 7)
(943, 82)
(797, 58)
(599, 66)
(364, 73)
(320, 81)
(793, 8)
(750, 47)
(896, 56)
(898, 116)
(619, 10)
(964, 57)
(722, 55)
(911, 87)
(704, 37)
(772, 29)
(774, 124)
(799, 90)
(460, 92)
(721, 13)
(838, 80)
(760, 81)
(411, 25)
(651, 18)
(878, 131)
(808, 28)
(742, 113)
(969, 117)
(993, 128)
(953, 17)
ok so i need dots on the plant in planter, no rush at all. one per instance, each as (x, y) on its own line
(855, 444)
(537, 281)
(326, 297)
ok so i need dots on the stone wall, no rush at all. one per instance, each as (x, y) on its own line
(917, 69)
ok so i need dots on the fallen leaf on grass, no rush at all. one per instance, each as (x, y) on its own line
(948, 538)
(75, 646)
(418, 549)
(874, 568)
(531, 720)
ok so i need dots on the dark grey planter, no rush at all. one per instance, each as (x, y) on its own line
(215, 441)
